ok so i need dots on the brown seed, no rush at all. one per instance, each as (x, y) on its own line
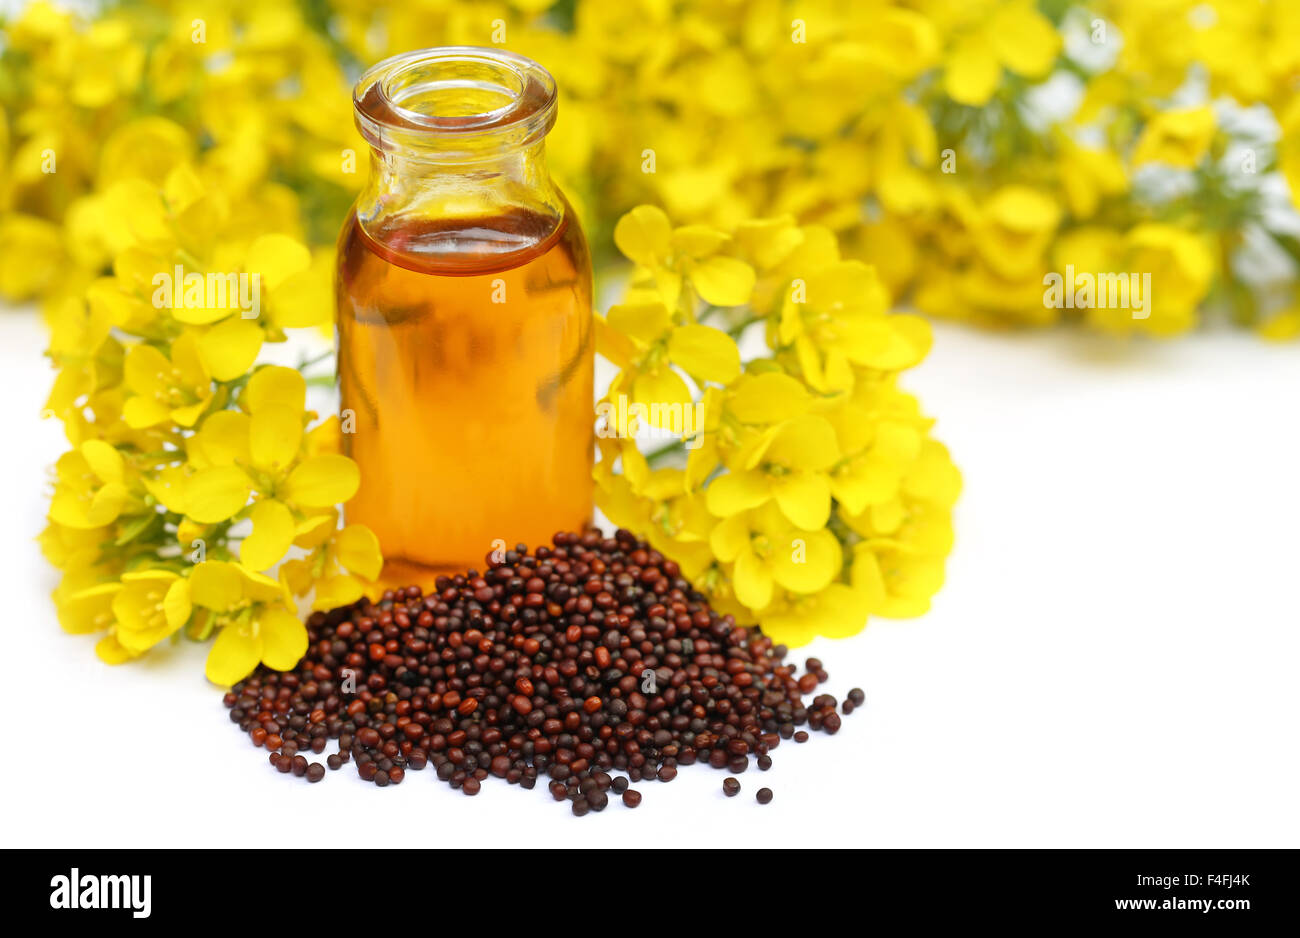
(537, 666)
(764, 795)
(631, 797)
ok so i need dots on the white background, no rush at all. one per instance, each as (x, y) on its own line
(1113, 661)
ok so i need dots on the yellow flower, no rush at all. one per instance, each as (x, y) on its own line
(838, 611)
(255, 624)
(1089, 175)
(838, 317)
(789, 466)
(1180, 267)
(643, 340)
(875, 474)
(32, 255)
(767, 552)
(1011, 35)
(91, 491)
(176, 388)
(645, 236)
(1016, 225)
(341, 565)
(1176, 138)
(150, 606)
(89, 609)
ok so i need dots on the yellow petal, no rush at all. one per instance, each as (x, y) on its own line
(277, 257)
(296, 576)
(110, 651)
(808, 562)
(972, 74)
(233, 655)
(322, 481)
(315, 530)
(1024, 40)
(275, 385)
(723, 281)
(337, 590)
(613, 344)
(230, 347)
(222, 440)
(88, 610)
(177, 604)
(217, 585)
(273, 530)
(144, 368)
(216, 494)
(805, 442)
(358, 551)
(643, 234)
(643, 322)
(188, 416)
(142, 412)
(698, 240)
(104, 460)
(752, 581)
(769, 398)
(735, 492)
(804, 498)
(275, 434)
(705, 353)
(730, 538)
(661, 391)
(284, 638)
(933, 477)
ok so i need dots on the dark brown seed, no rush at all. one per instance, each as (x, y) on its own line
(537, 667)
(764, 795)
(315, 772)
(631, 797)
(731, 787)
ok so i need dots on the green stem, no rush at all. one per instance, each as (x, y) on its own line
(659, 452)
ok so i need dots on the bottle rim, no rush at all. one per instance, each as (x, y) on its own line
(437, 102)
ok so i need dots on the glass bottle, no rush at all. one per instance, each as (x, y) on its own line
(464, 317)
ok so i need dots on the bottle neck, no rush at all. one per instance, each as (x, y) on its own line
(458, 163)
(494, 205)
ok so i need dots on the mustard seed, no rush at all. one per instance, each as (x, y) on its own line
(590, 662)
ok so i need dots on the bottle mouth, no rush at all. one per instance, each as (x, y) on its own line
(454, 102)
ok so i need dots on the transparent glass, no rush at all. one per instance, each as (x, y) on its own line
(464, 317)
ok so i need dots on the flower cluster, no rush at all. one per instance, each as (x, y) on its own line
(801, 489)
(194, 471)
(968, 150)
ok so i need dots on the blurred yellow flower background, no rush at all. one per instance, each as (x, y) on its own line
(954, 144)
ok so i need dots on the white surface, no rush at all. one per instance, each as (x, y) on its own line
(1112, 662)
